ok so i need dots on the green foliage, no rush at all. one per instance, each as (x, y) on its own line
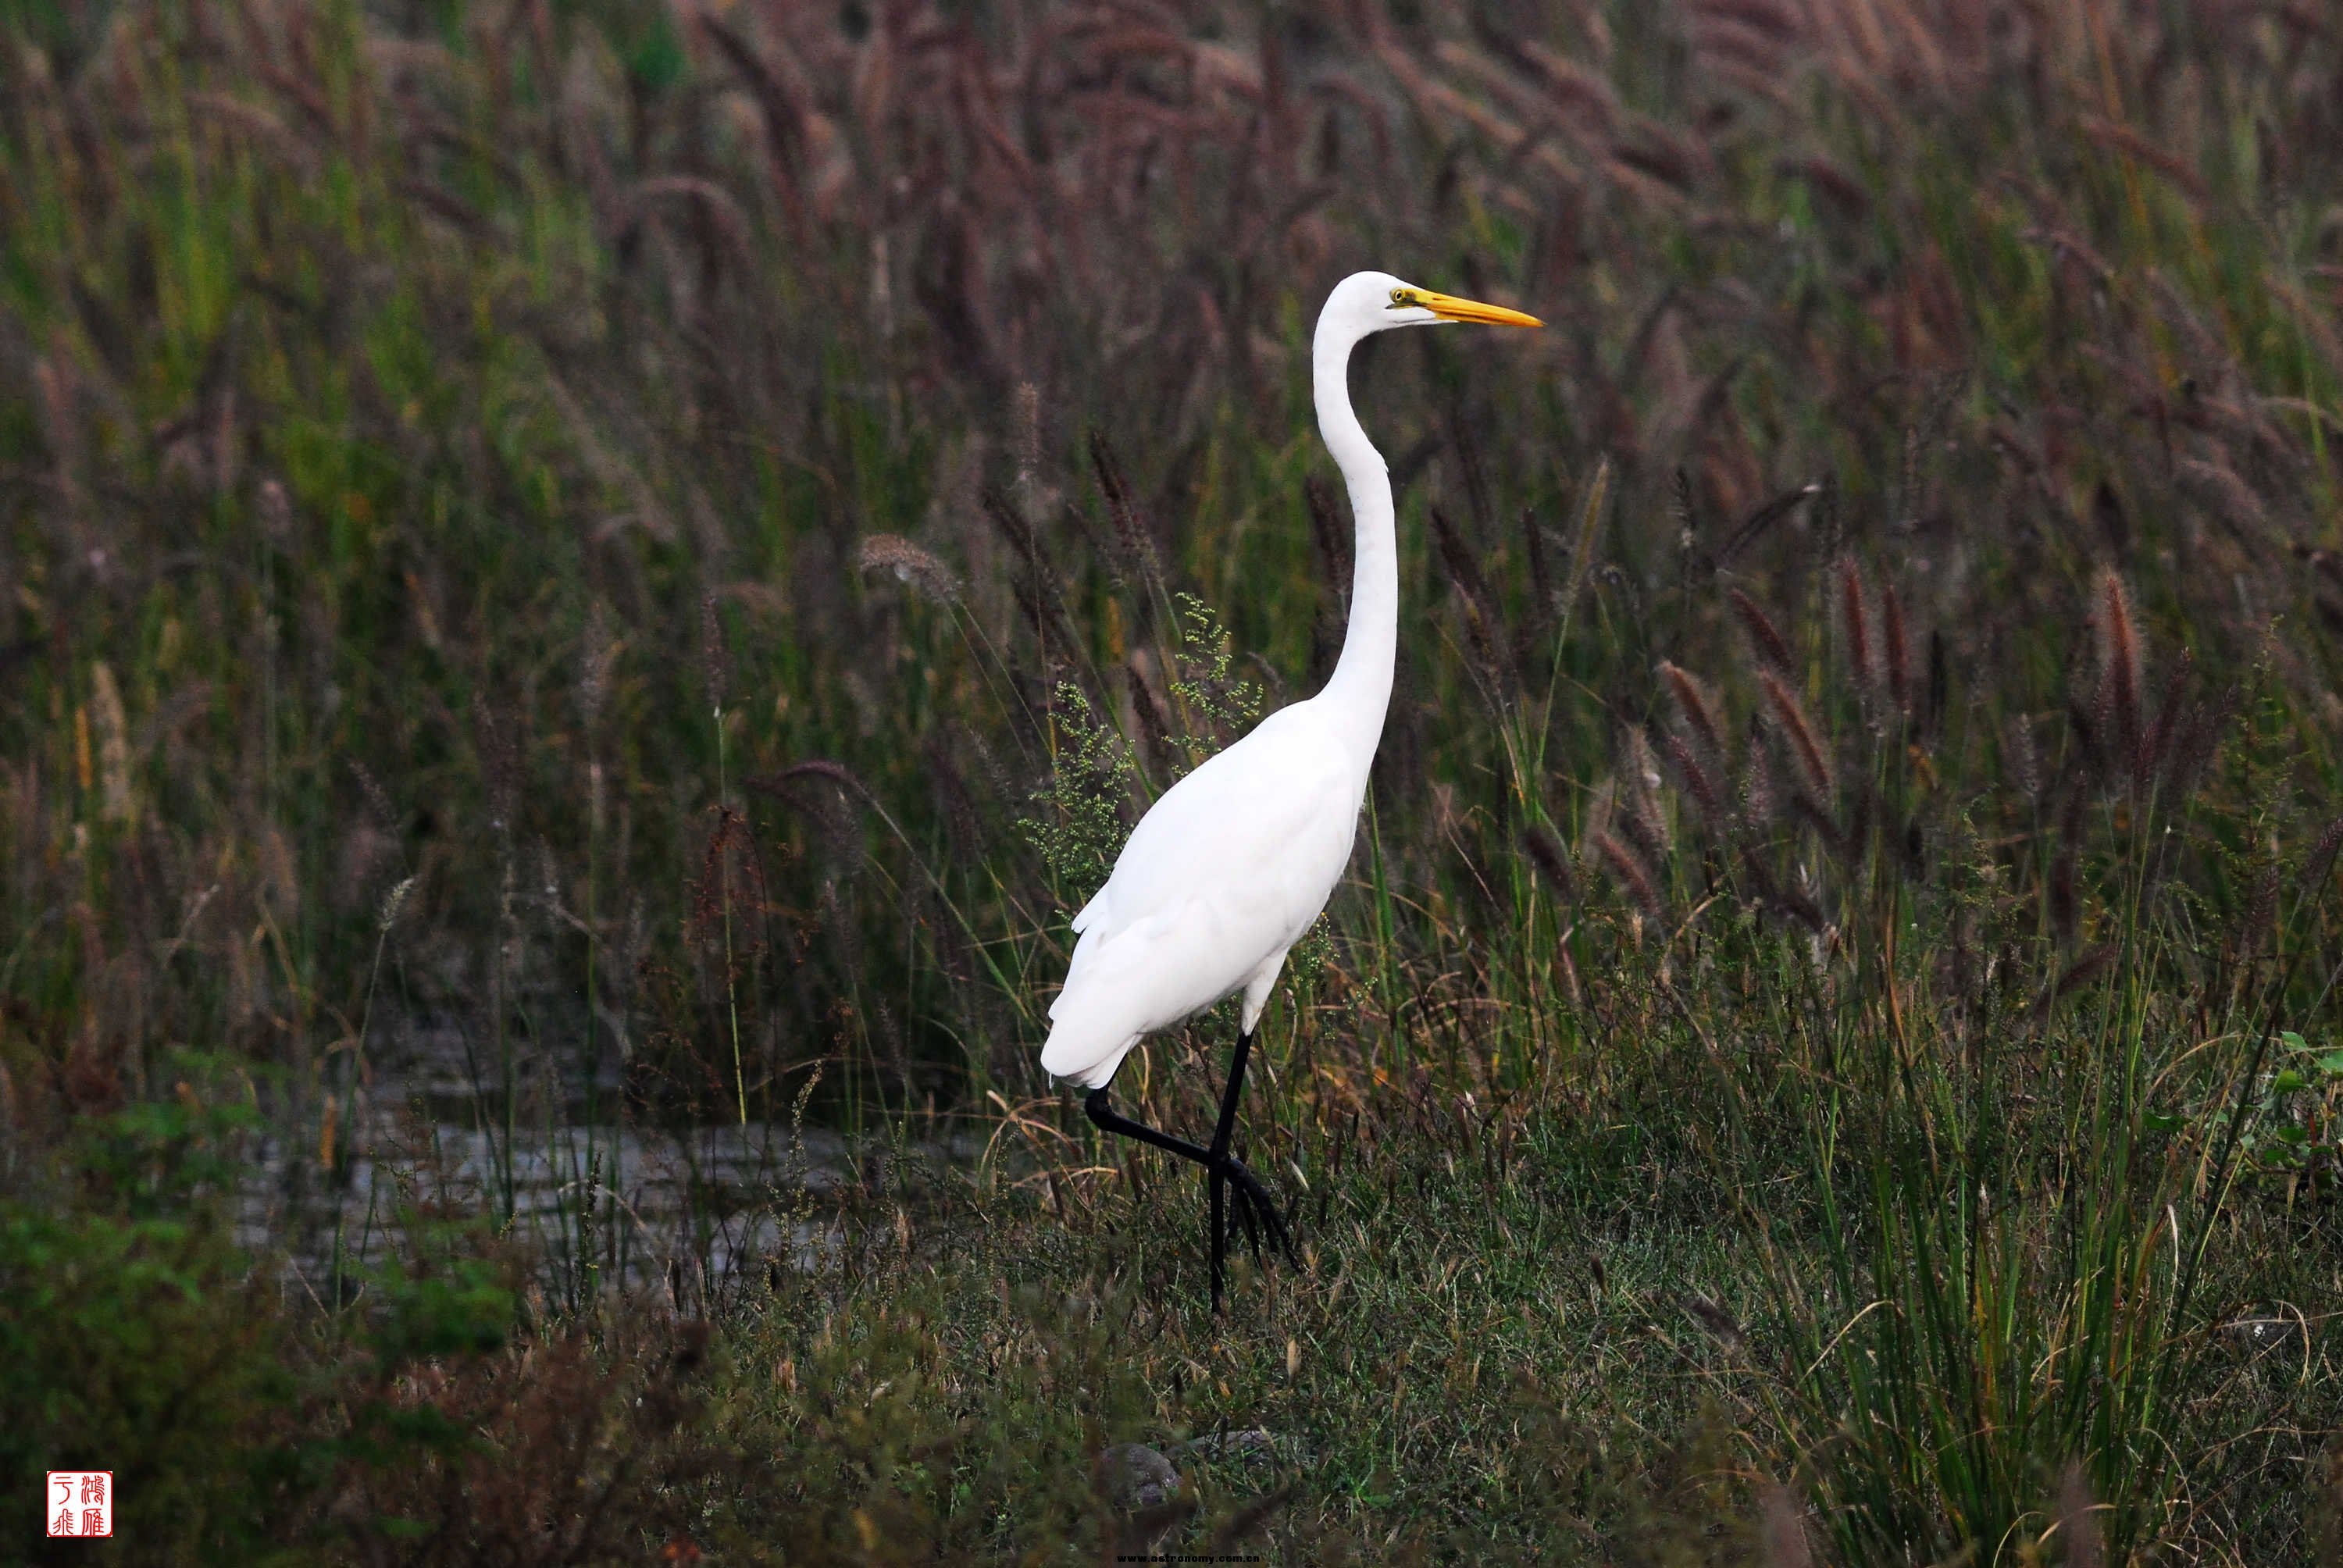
(1090, 779)
(2286, 1125)
(1339, 1453)
(140, 1339)
(135, 1342)
(1092, 769)
(1217, 706)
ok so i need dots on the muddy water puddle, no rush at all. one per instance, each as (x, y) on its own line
(688, 1210)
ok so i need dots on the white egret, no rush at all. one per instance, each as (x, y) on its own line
(1231, 865)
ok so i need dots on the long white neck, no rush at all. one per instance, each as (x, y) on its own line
(1359, 691)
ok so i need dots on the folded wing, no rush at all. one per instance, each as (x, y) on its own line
(1220, 876)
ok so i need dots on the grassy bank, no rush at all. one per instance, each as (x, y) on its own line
(672, 546)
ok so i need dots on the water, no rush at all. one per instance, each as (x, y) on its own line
(689, 1211)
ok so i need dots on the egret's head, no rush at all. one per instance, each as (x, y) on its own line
(1368, 302)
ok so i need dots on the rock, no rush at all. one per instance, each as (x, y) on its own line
(1138, 1477)
(2259, 1329)
(1252, 1442)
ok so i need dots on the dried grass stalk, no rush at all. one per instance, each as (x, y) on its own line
(1695, 706)
(1634, 877)
(1130, 529)
(1582, 549)
(926, 575)
(1785, 1530)
(2120, 665)
(2155, 753)
(1805, 748)
(1768, 642)
(2078, 1520)
(1855, 620)
(115, 803)
(1898, 649)
(1546, 852)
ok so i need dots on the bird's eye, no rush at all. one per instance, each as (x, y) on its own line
(1400, 296)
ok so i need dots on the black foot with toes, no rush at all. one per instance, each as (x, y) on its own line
(1226, 1176)
(1255, 1210)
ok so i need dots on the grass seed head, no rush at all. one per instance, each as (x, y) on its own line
(2120, 664)
(2024, 760)
(1475, 604)
(1785, 1530)
(1898, 649)
(1634, 879)
(1029, 439)
(2312, 881)
(715, 660)
(1693, 774)
(598, 652)
(1813, 769)
(1546, 852)
(1762, 637)
(1533, 548)
(275, 512)
(2078, 1520)
(1130, 529)
(1642, 773)
(1154, 720)
(1757, 802)
(884, 553)
(393, 902)
(115, 803)
(2153, 757)
(1590, 526)
(1855, 621)
(2260, 913)
(1695, 706)
(1333, 538)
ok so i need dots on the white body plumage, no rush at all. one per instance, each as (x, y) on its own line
(1217, 881)
(1231, 865)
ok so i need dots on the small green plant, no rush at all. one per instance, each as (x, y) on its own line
(136, 1340)
(1217, 705)
(1082, 827)
(1313, 950)
(2286, 1124)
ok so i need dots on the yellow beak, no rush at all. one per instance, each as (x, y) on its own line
(1448, 308)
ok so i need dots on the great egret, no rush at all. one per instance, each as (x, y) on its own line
(1231, 865)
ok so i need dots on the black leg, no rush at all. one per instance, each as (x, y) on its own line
(1231, 1095)
(1218, 1183)
(1251, 1226)
(1253, 1199)
(1222, 1171)
(1106, 1119)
